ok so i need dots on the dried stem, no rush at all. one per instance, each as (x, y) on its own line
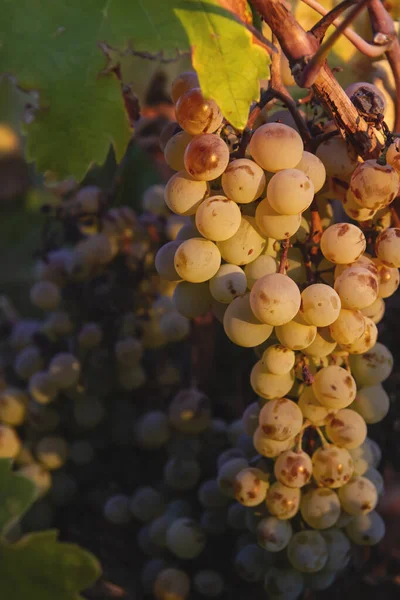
(284, 256)
(371, 50)
(299, 46)
(319, 30)
(315, 64)
(395, 217)
(322, 437)
(316, 228)
(382, 24)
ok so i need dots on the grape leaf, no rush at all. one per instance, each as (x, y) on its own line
(16, 495)
(39, 567)
(228, 63)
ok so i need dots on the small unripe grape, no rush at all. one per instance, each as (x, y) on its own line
(185, 538)
(268, 385)
(332, 466)
(278, 359)
(45, 295)
(251, 562)
(174, 327)
(339, 549)
(164, 261)
(190, 411)
(206, 157)
(376, 478)
(65, 370)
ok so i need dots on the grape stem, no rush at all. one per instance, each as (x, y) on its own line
(299, 440)
(284, 256)
(316, 228)
(323, 439)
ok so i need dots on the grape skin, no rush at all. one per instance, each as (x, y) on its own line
(218, 218)
(280, 419)
(278, 359)
(245, 245)
(354, 210)
(348, 327)
(276, 146)
(273, 534)
(307, 551)
(293, 469)
(336, 158)
(197, 260)
(192, 299)
(13, 404)
(332, 466)
(197, 115)
(208, 583)
(323, 344)
(347, 429)
(296, 334)
(343, 243)
(334, 387)
(282, 584)
(243, 181)
(357, 288)
(312, 166)
(375, 311)
(185, 538)
(290, 192)
(171, 583)
(267, 447)
(164, 261)
(366, 341)
(359, 496)
(312, 409)
(10, 444)
(269, 386)
(250, 486)
(275, 299)
(182, 83)
(372, 367)
(320, 305)
(262, 265)
(206, 157)
(283, 502)
(274, 225)
(242, 327)
(183, 195)
(320, 507)
(366, 530)
(373, 185)
(372, 403)
(387, 247)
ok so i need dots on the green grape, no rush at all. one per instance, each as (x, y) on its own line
(270, 386)
(374, 185)
(208, 583)
(171, 584)
(343, 243)
(366, 530)
(116, 509)
(227, 473)
(312, 166)
(375, 311)
(290, 192)
(251, 486)
(90, 336)
(274, 225)
(146, 504)
(320, 305)
(187, 232)
(339, 549)
(387, 247)
(164, 261)
(241, 326)
(153, 201)
(348, 327)
(359, 496)
(354, 210)
(293, 468)
(332, 466)
(334, 387)
(320, 507)
(39, 476)
(45, 295)
(322, 346)
(128, 351)
(280, 419)
(174, 150)
(366, 341)
(296, 269)
(13, 406)
(251, 562)
(174, 326)
(210, 495)
(184, 82)
(364, 261)
(363, 457)
(282, 501)
(206, 157)
(389, 279)
(52, 452)
(372, 403)
(195, 114)
(185, 538)
(243, 181)
(192, 299)
(218, 218)
(27, 362)
(283, 584)
(278, 359)
(182, 473)
(347, 429)
(307, 551)
(372, 367)
(296, 334)
(250, 418)
(183, 195)
(376, 478)
(312, 409)
(276, 146)
(190, 411)
(228, 283)
(273, 534)
(10, 444)
(357, 287)
(174, 225)
(152, 430)
(275, 299)
(245, 245)
(65, 370)
(197, 260)
(336, 157)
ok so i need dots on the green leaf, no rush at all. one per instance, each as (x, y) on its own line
(16, 495)
(227, 61)
(39, 567)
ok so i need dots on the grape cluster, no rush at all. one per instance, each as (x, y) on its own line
(308, 485)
